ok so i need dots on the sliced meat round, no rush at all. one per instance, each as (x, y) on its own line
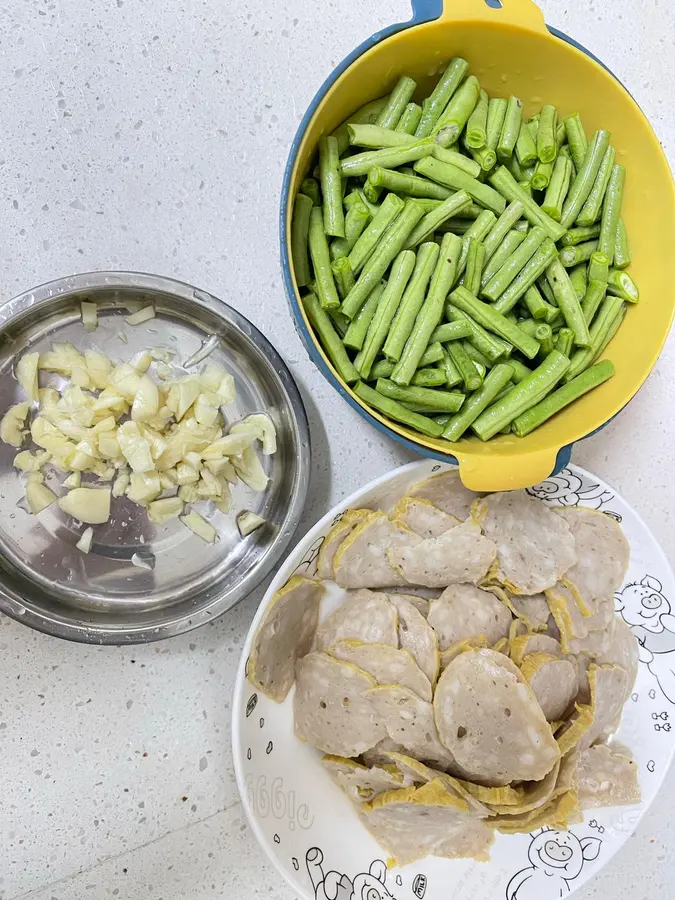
(359, 782)
(361, 559)
(416, 635)
(337, 534)
(607, 776)
(363, 616)
(555, 683)
(422, 517)
(386, 664)
(447, 492)
(464, 611)
(459, 555)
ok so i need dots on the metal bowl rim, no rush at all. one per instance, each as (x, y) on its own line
(62, 627)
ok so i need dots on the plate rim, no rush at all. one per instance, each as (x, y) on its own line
(282, 575)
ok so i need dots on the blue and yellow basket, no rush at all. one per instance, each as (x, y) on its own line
(511, 50)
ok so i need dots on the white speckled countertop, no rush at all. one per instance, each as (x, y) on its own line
(152, 136)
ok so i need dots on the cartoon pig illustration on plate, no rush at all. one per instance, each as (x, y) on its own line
(557, 857)
(333, 886)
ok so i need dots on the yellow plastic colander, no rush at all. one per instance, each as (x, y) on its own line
(511, 50)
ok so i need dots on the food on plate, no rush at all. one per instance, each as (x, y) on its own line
(484, 704)
(463, 264)
(155, 436)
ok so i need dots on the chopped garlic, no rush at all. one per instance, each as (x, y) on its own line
(143, 315)
(27, 375)
(11, 426)
(263, 428)
(29, 462)
(144, 487)
(90, 505)
(161, 511)
(146, 400)
(122, 336)
(199, 526)
(84, 543)
(39, 497)
(162, 354)
(48, 397)
(248, 522)
(120, 484)
(250, 470)
(89, 315)
(98, 367)
(73, 481)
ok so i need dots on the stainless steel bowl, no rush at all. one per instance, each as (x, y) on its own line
(143, 582)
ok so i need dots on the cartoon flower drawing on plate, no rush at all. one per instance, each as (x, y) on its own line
(646, 609)
(556, 857)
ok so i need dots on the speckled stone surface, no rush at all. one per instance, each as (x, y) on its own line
(152, 136)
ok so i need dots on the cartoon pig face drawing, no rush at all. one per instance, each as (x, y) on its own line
(371, 886)
(643, 604)
(557, 853)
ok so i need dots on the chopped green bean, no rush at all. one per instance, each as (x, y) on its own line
(593, 298)
(330, 340)
(378, 329)
(611, 213)
(389, 158)
(513, 266)
(582, 359)
(453, 376)
(373, 137)
(620, 284)
(494, 383)
(407, 184)
(526, 146)
(441, 94)
(579, 280)
(450, 331)
(476, 355)
(489, 318)
(528, 392)
(504, 224)
(611, 331)
(340, 322)
(366, 243)
(622, 257)
(433, 354)
(396, 103)
(455, 178)
(355, 222)
(310, 187)
(586, 175)
(412, 301)
(356, 333)
(331, 187)
(547, 145)
(558, 188)
(430, 315)
(410, 119)
(318, 250)
(476, 127)
(299, 239)
(488, 345)
(452, 158)
(475, 261)
(576, 137)
(580, 235)
(510, 129)
(506, 249)
(386, 250)
(591, 211)
(396, 411)
(495, 120)
(541, 177)
(579, 253)
(478, 230)
(520, 370)
(430, 222)
(568, 302)
(535, 303)
(509, 188)
(558, 400)
(471, 377)
(565, 341)
(441, 401)
(343, 276)
(598, 268)
(456, 114)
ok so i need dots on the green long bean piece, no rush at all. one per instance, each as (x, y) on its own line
(586, 175)
(622, 285)
(580, 235)
(583, 358)
(579, 253)
(576, 138)
(622, 256)
(526, 146)
(454, 178)
(513, 266)
(310, 187)
(343, 276)
(475, 261)
(450, 331)
(356, 220)
(299, 239)
(559, 399)
(407, 184)
(358, 327)
(504, 251)
(611, 213)
(366, 243)
(489, 318)
(579, 280)
(490, 347)
(593, 298)
(510, 129)
(396, 103)
(450, 371)
(547, 145)
(373, 137)
(388, 158)
(441, 94)
(474, 405)
(456, 114)
(466, 367)
(378, 329)
(431, 221)
(330, 340)
(433, 354)
(441, 401)
(568, 302)
(528, 392)
(386, 250)
(565, 341)
(430, 315)
(411, 302)
(396, 411)
(478, 231)
(453, 158)
(495, 121)
(591, 211)
(318, 250)
(503, 225)
(535, 303)
(527, 277)
(508, 187)
(331, 187)
(476, 127)
(410, 119)
(558, 188)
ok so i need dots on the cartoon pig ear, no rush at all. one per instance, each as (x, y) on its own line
(651, 582)
(378, 870)
(591, 847)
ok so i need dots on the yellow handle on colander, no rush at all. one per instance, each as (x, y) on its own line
(520, 13)
(505, 473)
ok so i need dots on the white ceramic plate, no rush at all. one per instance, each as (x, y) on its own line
(308, 827)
